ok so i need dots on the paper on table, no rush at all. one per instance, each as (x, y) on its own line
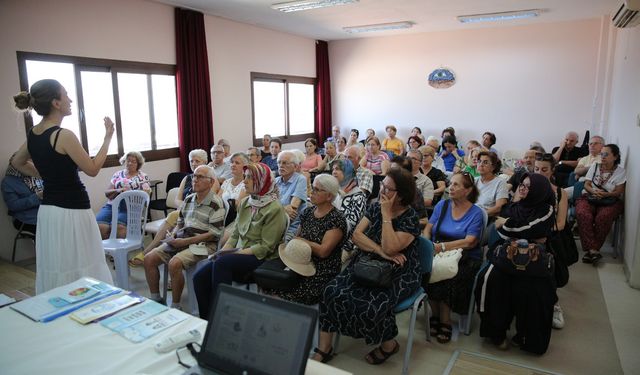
(133, 315)
(145, 329)
(102, 309)
(5, 299)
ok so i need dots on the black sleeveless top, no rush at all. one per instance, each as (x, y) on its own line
(188, 186)
(62, 185)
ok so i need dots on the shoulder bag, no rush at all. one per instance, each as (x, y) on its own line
(445, 263)
(521, 258)
(606, 201)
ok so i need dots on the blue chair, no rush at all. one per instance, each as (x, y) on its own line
(464, 324)
(425, 249)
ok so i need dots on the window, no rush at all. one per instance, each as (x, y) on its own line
(283, 106)
(139, 97)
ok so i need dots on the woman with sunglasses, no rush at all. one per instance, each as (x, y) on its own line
(456, 223)
(605, 180)
(528, 298)
(388, 231)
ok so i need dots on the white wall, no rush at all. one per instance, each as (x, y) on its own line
(524, 83)
(138, 30)
(624, 129)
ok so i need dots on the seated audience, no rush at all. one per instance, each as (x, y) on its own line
(457, 227)
(260, 224)
(323, 229)
(341, 144)
(450, 153)
(528, 298)
(271, 160)
(22, 194)
(312, 160)
(567, 155)
(545, 166)
(221, 168)
(370, 133)
(266, 146)
(606, 179)
(387, 232)
(417, 132)
(375, 159)
(472, 144)
(595, 147)
(493, 189)
(227, 150)
(363, 175)
(526, 165)
(254, 154)
(437, 177)
(292, 189)
(424, 185)
(447, 132)
(434, 143)
(232, 190)
(488, 140)
(391, 142)
(200, 220)
(471, 165)
(330, 155)
(335, 135)
(351, 200)
(129, 178)
(413, 143)
(353, 138)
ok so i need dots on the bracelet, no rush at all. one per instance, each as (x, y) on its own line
(443, 248)
(386, 221)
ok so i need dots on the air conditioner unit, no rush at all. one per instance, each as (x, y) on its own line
(627, 14)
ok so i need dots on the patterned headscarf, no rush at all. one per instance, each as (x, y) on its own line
(264, 186)
(349, 181)
(33, 183)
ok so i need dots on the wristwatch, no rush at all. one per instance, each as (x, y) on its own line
(560, 162)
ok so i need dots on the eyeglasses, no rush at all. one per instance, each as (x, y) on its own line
(604, 154)
(485, 162)
(594, 143)
(427, 155)
(200, 177)
(316, 190)
(524, 187)
(284, 163)
(217, 152)
(544, 157)
(385, 188)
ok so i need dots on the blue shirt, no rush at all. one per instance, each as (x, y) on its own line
(22, 203)
(451, 229)
(272, 162)
(450, 160)
(295, 187)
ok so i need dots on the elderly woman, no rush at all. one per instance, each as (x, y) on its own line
(351, 200)
(311, 160)
(436, 176)
(130, 178)
(527, 297)
(260, 224)
(604, 180)
(450, 153)
(232, 189)
(375, 160)
(434, 142)
(391, 142)
(456, 223)
(197, 158)
(341, 144)
(330, 155)
(388, 232)
(493, 190)
(323, 228)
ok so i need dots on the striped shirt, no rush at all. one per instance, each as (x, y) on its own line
(207, 216)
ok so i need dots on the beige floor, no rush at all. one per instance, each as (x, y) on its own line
(602, 332)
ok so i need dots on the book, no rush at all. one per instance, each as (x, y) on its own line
(102, 309)
(65, 299)
(133, 315)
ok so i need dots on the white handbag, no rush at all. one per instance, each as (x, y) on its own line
(445, 265)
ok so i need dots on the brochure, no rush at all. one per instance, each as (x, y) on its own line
(65, 299)
(133, 315)
(147, 328)
(99, 310)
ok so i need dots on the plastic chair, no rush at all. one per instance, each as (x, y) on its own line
(137, 203)
(25, 232)
(154, 226)
(509, 158)
(173, 181)
(425, 249)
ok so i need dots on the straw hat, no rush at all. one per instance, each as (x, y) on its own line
(297, 256)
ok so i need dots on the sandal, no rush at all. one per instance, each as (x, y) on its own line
(434, 326)
(444, 333)
(324, 356)
(137, 261)
(373, 359)
(587, 258)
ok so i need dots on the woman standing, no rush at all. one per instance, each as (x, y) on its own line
(68, 242)
(130, 178)
(458, 225)
(376, 161)
(605, 180)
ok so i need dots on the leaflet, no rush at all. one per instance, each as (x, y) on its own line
(133, 315)
(100, 310)
(145, 329)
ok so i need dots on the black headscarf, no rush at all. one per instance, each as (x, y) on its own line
(531, 217)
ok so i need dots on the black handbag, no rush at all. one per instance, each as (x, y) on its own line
(606, 201)
(274, 274)
(518, 257)
(373, 272)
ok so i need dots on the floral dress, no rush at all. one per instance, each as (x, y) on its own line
(309, 291)
(362, 312)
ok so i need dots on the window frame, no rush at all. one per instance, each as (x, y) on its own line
(114, 67)
(286, 79)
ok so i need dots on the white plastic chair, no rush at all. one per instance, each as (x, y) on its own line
(509, 158)
(137, 203)
(154, 226)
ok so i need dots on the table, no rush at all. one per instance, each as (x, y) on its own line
(65, 347)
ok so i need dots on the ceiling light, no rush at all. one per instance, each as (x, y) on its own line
(500, 16)
(378, 27)
(294, 6)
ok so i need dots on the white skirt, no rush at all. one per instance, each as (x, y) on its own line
(68, 247)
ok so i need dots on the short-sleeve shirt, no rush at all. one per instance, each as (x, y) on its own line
(365, 179)
(120, 180)
(222, 171)
(207, 216)
(271, 161)
(575, 154)
(424, 186)
(394, 145)
(296, 187)
(310, 163)
(450, 160)
(374, 163)
(491, 191)
(229, 191)
(451, 229)
(587, 162)
(607, 180)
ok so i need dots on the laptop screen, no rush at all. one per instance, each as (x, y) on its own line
(250, 333)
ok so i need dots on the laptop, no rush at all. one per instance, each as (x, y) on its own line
(250, 333)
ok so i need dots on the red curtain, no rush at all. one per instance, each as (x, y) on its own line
(323, 92)
(195, 117)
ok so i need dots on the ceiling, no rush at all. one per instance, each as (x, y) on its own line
(428, 15)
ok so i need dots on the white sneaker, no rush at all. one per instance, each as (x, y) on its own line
(558, 317)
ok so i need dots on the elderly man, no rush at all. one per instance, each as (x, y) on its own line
(526, 166)
(272, 159)
(254, 154)
(335, 135)
(227, 149)
(434, 143)
(363, 175)
(221, 168)
(567, 155)
(292, 187)
(201, 219)
(424, 184)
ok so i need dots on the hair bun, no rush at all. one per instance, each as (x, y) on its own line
(23, 100)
